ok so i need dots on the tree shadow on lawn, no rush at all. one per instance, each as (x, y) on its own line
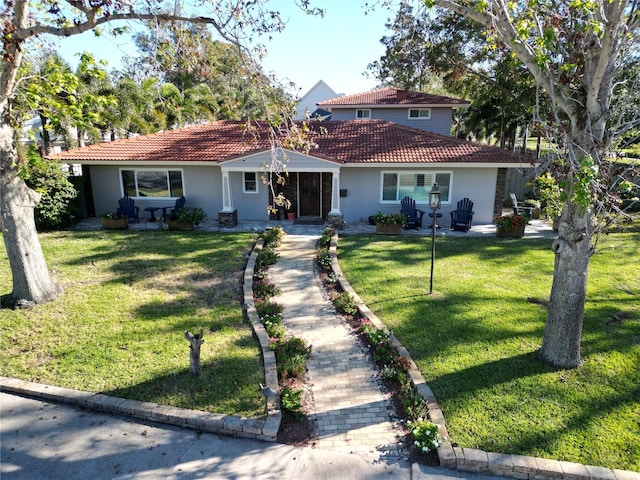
(161, 247)
(558, 431)
(193, 282)
(216, 390)
(410, 249)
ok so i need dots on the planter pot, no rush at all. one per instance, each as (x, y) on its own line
(535, 213)
(176, 225)
(291, 216)
(115, 223)
(395, 229)
(517, 232)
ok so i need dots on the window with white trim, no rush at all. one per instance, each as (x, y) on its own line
(363, 114)
(149, 183)
(250, 182)
(415, 184)
(419, 113)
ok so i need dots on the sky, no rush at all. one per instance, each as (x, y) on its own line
(336, 48)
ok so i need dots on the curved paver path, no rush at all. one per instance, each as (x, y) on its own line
(350, 411)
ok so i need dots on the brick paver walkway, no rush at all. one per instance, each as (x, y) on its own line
(350, 413)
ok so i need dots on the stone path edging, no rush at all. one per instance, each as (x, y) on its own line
(265, 429)
(470, 459)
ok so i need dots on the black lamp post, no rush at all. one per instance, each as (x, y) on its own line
(434, 203)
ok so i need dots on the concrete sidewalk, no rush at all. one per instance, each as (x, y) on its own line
(44, 441)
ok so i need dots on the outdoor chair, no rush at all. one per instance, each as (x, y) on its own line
(128, 208)
(519, 208)
(414, 215)
(463, 214)
(176, 208)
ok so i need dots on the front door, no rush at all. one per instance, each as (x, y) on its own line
(309, 194)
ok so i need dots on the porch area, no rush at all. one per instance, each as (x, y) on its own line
(534, 229)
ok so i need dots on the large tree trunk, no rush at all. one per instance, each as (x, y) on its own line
(573, 249)
(31, 280)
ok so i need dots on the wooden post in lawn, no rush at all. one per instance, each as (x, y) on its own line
(194, 356)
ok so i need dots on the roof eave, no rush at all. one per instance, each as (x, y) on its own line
(395, 105)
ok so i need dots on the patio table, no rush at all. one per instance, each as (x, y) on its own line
(152, 211)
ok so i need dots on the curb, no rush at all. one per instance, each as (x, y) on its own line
(228, 425)
(472, 460)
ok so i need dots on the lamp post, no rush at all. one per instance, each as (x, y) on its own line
(434, 203)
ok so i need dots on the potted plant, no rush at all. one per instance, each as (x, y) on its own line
(291, 211)
(535, 207)
(114, 221)
(186, 218)
(389, 223)
(510, 226)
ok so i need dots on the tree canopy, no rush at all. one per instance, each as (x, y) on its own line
(24, 22)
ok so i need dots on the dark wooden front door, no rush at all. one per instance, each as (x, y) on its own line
(309, 194)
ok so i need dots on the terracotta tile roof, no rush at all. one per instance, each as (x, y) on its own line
(351, 142)
(214, 141)
(392, 96)
(380, 141)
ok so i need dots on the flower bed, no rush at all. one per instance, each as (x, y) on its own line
(291, 353)
(394, 366)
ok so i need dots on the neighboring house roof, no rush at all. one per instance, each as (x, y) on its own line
(320, 114)
(392, 97)
(351, 142)
(320, 91)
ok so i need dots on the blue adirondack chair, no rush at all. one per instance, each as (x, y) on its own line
(463, 214)
(176, 208)
(128, 208)
(413, 214)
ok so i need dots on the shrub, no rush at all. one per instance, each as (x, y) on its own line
(266, 257)
(413, 403)
(425, 435)
(265, 288)
(324, 259)
(332, 278)
(345, 303)
(56, 206)
(385, 354)
(374, 335)
(195, 215)
(390, 218)
(273, 237)
(266, 307)
(291, 401)
(325, 238)
(260, 274)
(291, 357)
(274, 326)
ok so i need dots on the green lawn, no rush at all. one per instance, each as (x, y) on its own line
(119, 327)
(475, 340)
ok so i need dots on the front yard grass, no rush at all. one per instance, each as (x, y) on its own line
(119, 327)
(475, 340)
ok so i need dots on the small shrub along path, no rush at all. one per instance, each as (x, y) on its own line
(349, 409)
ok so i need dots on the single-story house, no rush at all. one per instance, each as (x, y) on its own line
(360, 166)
